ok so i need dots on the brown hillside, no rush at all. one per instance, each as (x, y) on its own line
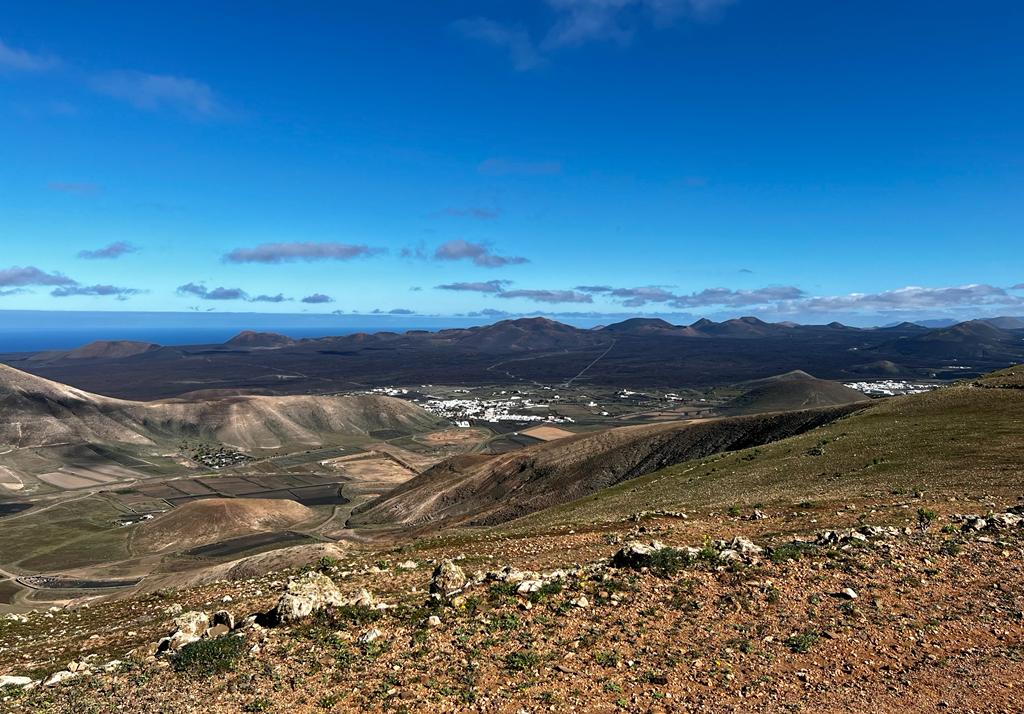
(214, 519)
(486, 490)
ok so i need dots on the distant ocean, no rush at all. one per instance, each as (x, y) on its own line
(63, 338)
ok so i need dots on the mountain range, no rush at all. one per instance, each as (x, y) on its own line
(639, 352)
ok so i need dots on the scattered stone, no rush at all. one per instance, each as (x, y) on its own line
(448, 579)
(529, 586)
(745, 547)
(636, 554)
(370, 635)
(223, 617)
(62, 676)
(8, 680)
(305, 595)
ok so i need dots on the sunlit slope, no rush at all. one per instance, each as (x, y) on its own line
(480, 490)
(37, 412)
(962, 439)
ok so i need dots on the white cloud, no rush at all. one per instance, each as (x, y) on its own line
(515, 41)
(153, 92)
(14, 59)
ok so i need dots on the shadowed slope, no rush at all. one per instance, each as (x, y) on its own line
(486, 490)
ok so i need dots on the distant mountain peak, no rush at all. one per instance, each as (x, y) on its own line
(251, 338)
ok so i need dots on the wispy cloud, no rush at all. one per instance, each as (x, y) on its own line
(640, 296)
(114, 250)
(515, 41)
(488, 312)
(737, 298)
(578, 22)
(550, 296)
(514, 167)
(203, 293)
(912, 298)
(115, 291)
(479, 253)
(82, 189)
(581, 21)
(18, 60)
(307, 251)
(478, 212)
(23, 277)
(154, 92)
(317, 299)
(490, 286)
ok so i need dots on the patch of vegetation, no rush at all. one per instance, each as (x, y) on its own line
(951, 547)
(925, 517)
(790, 551)
(668, 561)
(546, 590)
(522, 660)
(502, 592)
(802, 642)
(205, 658)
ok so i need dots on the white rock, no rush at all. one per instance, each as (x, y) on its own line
(8, 680)
(58, 677)
(370, 635)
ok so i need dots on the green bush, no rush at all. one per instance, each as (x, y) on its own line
(205, 658)
(789, 551)
(521, 660)
(668, 561)
(802, 642)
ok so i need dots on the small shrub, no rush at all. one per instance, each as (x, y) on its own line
(668, 561)
(521, 660)
(925, 517)
(205, 658)
(326, 563)
(802, 642)
(502, 591)
(789, 551)
(546, 590)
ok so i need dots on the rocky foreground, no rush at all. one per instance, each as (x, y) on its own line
(903, 606)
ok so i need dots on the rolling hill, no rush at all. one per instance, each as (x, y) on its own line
(215, 519)
(40, 412)
(251, 339)
(99, 350)
(479, 490)
(793, 390)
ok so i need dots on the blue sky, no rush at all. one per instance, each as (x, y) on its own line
(794, 160)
